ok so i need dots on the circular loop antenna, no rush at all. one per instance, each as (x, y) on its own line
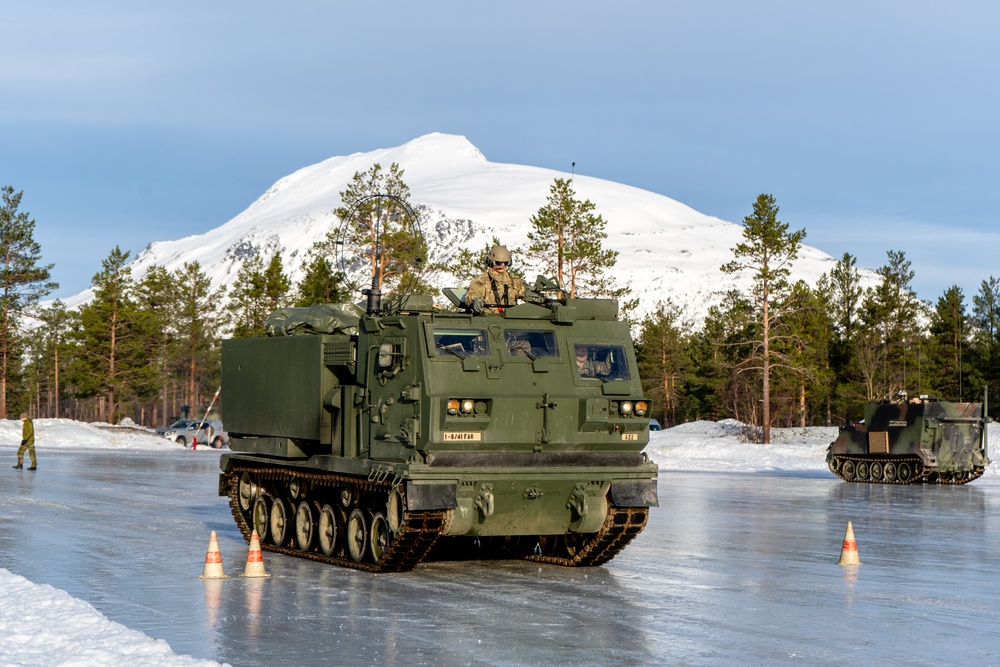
(381, 252)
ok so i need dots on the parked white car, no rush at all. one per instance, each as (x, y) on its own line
(186, 431)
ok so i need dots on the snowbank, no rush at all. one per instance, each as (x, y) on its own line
(42, 625)
(69, 434)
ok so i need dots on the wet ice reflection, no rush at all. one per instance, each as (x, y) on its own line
(732, 569)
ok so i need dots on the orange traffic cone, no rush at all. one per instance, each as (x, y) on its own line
(213, 560)
(849, 553)
(255, 559)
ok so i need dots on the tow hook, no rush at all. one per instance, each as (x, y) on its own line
(578, 500)
(484, 500)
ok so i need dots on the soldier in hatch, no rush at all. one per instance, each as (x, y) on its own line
(495, 289)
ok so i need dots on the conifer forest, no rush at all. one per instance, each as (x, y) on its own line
(779, 354)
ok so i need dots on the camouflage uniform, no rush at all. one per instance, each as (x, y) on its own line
(586, 367)
(592, 368)
(27, 443)
(495, 290)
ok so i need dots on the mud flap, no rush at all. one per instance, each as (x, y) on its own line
(635, 493)
(430, 496)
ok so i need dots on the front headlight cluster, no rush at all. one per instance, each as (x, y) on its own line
(465, 406)
(627, 408)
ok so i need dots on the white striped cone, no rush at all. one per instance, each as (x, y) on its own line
(255, 559)
(213, 560)
(849, 552)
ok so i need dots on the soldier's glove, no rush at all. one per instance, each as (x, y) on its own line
(478, 306)
(24, 442)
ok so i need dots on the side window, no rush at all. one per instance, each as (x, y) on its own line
(605, 362)
(530, 343)
(461, 342)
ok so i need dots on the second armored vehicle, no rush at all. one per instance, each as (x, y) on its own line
(918, 440)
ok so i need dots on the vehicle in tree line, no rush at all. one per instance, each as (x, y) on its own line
(185, 432)
(370, 438)
(917, 440)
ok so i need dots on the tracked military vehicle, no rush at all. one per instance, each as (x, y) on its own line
(362, 439)
(377, 437)
(917, 440)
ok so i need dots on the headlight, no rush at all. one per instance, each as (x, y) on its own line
(640, 408)
(467, 406)
(453, 406)
(625, 407)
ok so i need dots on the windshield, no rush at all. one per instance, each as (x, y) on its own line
(181, 423)
(461, 342)
(596, 360)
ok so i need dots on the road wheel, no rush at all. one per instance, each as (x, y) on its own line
(329, 530)
(279, 521)
(394, 511)
(876, 472)
(305, 526)
(903, 472)
(182, 441)
(261, 514)
(357, 535)
(247, 492)
(847, 470)
(889, 470)
(378, 536)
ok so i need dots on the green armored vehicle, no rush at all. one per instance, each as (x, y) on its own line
(366, 439)
(917, 440)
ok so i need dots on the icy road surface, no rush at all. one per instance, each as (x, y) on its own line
(732, 569)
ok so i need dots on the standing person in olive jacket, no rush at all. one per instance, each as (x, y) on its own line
(27, 443)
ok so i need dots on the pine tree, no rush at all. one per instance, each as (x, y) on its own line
(277, 285)
(156, 294)
(720, 384)
(664, 362)
(985, 320)
(23, 279)
(890, 313)
(256, 293)
(320, 283)
(841, 291)
(767, 251)
(196, 317)
(947, 362)
(801, 379)
(114, 340)
(378, 231)
(567, 241)
(55, 326)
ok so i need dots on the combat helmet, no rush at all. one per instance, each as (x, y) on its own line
(499, 253)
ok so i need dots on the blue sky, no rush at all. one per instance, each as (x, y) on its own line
(874, 124)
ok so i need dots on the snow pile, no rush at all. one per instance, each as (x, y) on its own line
(42, 625)
(69, 434)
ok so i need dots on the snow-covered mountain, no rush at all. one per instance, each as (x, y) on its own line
(665, 249)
